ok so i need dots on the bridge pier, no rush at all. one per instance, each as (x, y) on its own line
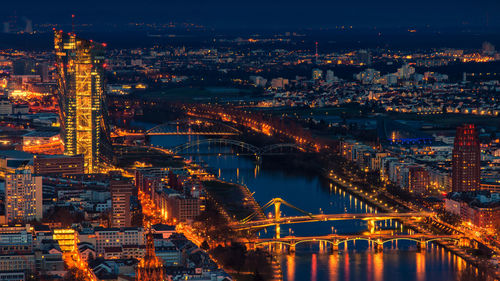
(378, 246)
(334, 247)
(277, 216)
(422, 245)
(278, 248)
(258, 159)
(291, 249)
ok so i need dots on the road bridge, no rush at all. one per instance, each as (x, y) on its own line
(334, 240)
(250, 223)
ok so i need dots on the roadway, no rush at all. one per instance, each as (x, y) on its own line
(331, 217)
(378, 238)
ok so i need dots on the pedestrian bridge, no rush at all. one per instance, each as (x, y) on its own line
(330, 217)
(250, 221)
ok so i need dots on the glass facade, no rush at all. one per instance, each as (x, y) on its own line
(80, 65)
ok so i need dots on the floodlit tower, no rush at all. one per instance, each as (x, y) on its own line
(80, 69)
(150, 268)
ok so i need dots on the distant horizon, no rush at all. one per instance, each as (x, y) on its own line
(328, 41)
(263, 14)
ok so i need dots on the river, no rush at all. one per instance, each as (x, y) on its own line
(400, 261)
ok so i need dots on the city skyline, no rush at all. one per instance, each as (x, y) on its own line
(258, 141)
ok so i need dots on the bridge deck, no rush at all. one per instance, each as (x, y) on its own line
(330, 217)
(348, 237)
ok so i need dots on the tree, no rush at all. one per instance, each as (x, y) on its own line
(74, 274)
(238, 255)
(258, 277)
(205, 246)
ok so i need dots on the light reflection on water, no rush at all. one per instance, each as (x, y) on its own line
(354, 260)
(369, 265)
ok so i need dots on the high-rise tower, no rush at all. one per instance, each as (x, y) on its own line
(466, 170)
(121, 190)
(23, 196)
(80, 68)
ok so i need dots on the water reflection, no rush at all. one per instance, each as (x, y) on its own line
(420, 258)
(333, 267)
(400, 261)
(314, 267)
(378, 264)
(290, 265)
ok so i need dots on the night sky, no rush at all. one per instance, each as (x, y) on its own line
(260, 13)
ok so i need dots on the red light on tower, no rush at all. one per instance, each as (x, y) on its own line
(316, 55)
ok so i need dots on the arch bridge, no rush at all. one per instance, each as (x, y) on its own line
(196, 126)
(334, 240)
(189, 126)
(245, 148)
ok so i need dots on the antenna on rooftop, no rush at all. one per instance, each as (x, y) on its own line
(316, 55)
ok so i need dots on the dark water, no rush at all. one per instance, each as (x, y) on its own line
(356, 260)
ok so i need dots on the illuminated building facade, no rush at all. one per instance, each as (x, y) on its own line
(121, 190)
(466, 170)
(60, 165)
(67, 239)
(80, 68)
(23, 196)
(418, 179)
(182, 208)
(150, 268)
(118, 237)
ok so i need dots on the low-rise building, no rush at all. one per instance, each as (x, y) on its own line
(60, 165)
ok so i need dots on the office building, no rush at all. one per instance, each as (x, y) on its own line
(418, 179)
(5, 107)
(466, 160)
(47, 142)
(148, 180)
(80, 67)
(66, 238)
(60, 165)
(17, 258)
(317, 74)
(182, 208)
(23, 196)
(117, 237)
(121, 190)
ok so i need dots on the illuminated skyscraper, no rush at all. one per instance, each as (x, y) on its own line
(466, 173)
(80, 68)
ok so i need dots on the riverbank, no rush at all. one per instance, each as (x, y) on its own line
(371, 199)
(300, 186)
